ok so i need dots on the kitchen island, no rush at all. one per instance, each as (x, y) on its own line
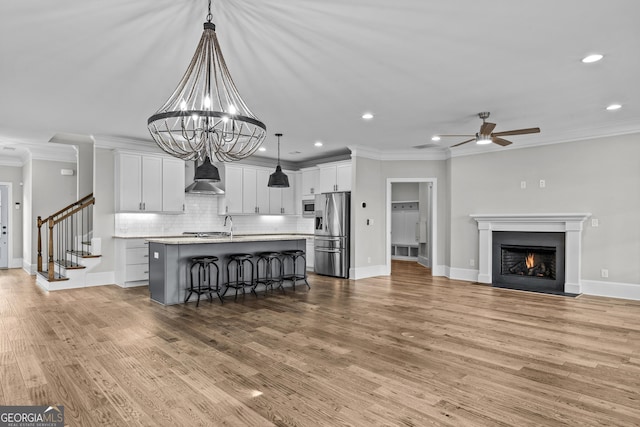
(170, 259)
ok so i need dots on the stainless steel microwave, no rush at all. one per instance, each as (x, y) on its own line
(308, 208)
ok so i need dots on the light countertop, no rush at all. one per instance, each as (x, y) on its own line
(189, 240)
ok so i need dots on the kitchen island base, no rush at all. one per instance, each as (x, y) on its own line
(170, 260)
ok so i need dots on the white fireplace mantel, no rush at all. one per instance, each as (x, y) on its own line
(570, 224)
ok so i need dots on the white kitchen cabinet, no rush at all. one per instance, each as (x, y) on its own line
(335, 177)
(139, 183)
(173, 185)
(246, 192)
(282, 200)
(310, 181)
(310, 255)
(255, 193)
(132, 262)
(231, 203)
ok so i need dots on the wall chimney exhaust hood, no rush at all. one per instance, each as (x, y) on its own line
(205, 176)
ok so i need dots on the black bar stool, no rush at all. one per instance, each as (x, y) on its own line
(239, 261)
(203, 265)
(294, 275)
(269, 260)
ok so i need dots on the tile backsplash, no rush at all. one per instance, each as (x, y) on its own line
(201, 214)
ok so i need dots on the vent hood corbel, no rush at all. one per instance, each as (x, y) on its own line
(205, 176)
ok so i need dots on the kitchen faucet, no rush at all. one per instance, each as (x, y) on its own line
(230, 224)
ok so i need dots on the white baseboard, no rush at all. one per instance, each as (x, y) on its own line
(463, 274)
(369, 271)
(31, 269)
(611, 289)
(425, 262)
(439, 270)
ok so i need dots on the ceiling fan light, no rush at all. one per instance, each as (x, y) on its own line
(592, 58)
(483, 140)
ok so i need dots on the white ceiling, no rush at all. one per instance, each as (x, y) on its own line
(309, 69)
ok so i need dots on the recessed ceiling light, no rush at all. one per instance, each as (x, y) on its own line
(592, 58)
(318, 144)
(367, 116)
(435, 138)
(262, 149)
(614, 107)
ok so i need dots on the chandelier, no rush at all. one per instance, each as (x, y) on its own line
(205, 116)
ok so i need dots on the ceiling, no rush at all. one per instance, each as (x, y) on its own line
(310, 69)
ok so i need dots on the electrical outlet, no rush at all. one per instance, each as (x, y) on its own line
(156, 255)
(523, 184)
(604, 273)
(595, 222)
(472, 262)
(543, 183)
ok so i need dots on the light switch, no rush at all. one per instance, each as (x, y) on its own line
(595, 222)
(156, 255)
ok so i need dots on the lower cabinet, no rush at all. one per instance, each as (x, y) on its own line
(132, 262)
(310, 254)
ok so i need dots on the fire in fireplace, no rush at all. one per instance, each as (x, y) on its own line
(529, 261)
(536, 262)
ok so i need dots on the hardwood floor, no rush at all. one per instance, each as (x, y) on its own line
(407, 350)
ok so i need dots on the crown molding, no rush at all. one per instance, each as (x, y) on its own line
(399, 155)
(114, 142)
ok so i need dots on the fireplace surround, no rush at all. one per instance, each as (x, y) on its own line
(569, 224)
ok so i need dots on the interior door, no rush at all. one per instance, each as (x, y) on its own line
(4, 226)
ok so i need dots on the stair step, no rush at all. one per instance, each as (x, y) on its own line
(57, 277)
(69, 265)
(83, 254)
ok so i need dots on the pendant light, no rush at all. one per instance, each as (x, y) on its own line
(278, 179)
(205, 116)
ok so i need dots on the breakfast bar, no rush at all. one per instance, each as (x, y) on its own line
(170, 259)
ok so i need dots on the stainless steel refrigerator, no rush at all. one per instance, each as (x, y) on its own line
(331, 240)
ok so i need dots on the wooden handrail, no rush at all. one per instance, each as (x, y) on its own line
(69, 206)
(77, 209)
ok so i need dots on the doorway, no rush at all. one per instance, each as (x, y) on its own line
(421, 232)
(4, 226)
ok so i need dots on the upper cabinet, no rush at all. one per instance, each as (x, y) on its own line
(147, 183)
(335, 177)
(246, 192)
(310, 181)
(172, 185)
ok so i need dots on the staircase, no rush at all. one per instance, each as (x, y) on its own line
(68, 246)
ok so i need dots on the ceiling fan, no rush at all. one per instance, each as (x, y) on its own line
(487, 136)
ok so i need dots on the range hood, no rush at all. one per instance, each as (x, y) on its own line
(205, 177)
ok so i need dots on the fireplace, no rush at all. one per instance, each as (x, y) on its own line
(530, 261)
(567, 224)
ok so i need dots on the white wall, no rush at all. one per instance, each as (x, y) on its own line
(370, 180)
(600, 176)
(50, 192)
(405, 191)
(13, 175)
(103, 210)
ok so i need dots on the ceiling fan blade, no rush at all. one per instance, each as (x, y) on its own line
(500, 141)
(517, 132)
(487, 128)
(456, 135)
(463, 142)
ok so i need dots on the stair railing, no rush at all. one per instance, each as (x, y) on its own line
(66, 238)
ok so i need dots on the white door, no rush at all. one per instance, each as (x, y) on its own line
(4, 226)
(172, 185)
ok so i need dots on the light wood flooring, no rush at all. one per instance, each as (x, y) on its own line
(407, 350)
